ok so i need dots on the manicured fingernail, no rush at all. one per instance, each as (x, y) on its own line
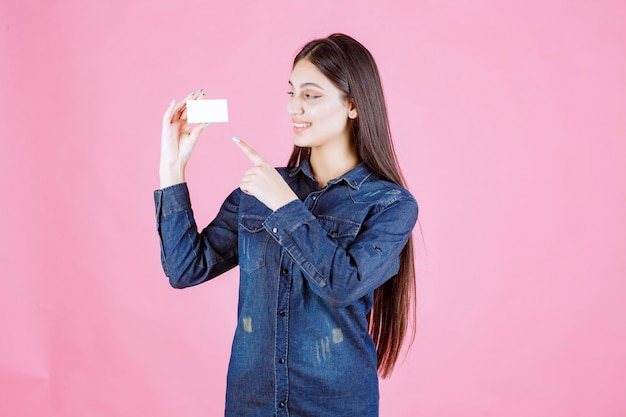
(236, 139)
(206, 125)
(172, 103)
(202, 91)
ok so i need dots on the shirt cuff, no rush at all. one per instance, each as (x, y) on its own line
(282, 222)
(172, 199)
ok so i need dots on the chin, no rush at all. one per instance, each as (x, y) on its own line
(298, 140)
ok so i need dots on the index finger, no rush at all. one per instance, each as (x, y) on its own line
(250, 153)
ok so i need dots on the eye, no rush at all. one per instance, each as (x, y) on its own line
(310, 96)
(290, 93)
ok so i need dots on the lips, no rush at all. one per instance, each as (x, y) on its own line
(300, 126)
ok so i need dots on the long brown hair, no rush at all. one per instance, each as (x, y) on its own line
(351, 67)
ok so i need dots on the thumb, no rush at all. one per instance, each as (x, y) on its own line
(195, 132)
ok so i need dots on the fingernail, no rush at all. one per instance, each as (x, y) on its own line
(202, 91)
(206, 125)
(173, 101)
(236, 139)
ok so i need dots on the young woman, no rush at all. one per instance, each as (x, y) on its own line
(323, 246)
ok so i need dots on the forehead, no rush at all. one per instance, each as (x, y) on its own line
(305, 72)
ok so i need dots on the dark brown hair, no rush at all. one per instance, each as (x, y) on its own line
(351, 67)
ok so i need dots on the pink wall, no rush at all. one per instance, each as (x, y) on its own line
(510, 121)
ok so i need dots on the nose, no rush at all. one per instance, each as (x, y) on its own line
(294, 106)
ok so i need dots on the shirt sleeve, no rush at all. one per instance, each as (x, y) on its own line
(188, 257)
(342, 276)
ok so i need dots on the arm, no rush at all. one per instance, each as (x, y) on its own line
(339, 275)
(188, 257)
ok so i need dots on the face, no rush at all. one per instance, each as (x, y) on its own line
(319, 111)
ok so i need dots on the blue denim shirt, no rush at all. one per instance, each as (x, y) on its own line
(307, 275)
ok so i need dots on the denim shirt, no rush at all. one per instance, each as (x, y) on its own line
(307, 275)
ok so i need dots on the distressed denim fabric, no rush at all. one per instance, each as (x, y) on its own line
(307, 275)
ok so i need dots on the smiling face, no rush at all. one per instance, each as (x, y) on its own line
(319, 111)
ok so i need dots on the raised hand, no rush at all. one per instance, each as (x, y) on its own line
(263, 181)
(178, 139)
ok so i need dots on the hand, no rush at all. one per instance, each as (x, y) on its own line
(263, 181)
(178, 139)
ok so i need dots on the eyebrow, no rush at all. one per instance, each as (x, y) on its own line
(309, 84)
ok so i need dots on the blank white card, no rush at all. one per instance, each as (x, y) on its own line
(207, 111)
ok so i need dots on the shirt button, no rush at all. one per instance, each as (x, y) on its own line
(275, 230)
(284, 271)
(314, 197)
(281, 360)
(281, 405)
(282, 314)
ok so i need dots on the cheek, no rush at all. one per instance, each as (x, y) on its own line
(338, 118)
(335, 115)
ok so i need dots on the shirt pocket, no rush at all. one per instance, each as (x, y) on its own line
(253, 240)
(343, 231)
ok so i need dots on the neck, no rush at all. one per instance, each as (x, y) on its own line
(330, 163)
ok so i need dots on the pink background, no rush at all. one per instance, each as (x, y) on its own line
(510, 122)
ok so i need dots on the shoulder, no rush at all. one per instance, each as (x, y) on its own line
(388, 205)
(384, 193)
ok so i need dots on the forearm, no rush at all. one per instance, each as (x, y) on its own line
(171, 174)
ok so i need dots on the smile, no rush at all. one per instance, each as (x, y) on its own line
(301, 125)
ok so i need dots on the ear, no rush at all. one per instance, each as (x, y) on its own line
(353, 113)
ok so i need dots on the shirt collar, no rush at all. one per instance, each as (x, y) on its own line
(354, 178)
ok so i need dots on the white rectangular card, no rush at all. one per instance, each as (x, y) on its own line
(207, 111)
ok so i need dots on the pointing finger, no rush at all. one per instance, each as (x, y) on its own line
(250, 153)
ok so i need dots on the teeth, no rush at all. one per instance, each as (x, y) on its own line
(301, 125)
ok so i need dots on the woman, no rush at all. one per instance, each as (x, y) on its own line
(323, 246)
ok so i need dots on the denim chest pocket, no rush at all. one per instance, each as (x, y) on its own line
(253, 240)
(343, 231)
